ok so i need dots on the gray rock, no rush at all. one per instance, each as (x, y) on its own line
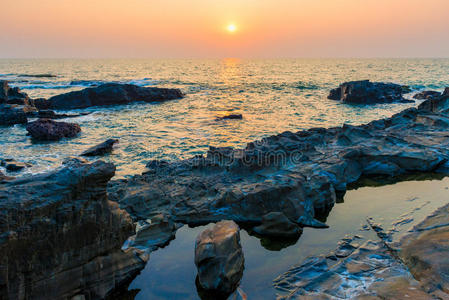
(100, 149)
(219, 257)
(108, 94)
(49, 130)
(277, 225)
(60, 235)
(366, 92)
(11, 115)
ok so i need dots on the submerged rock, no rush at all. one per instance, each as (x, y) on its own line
(10, 115)
(230, 117)
(101, 148)
(4, 178)
(12, 165)
(366, 92)
(219, 257)
(49, 114)
(61, 237)
(277, 225)
(49, 130)
(108, 94)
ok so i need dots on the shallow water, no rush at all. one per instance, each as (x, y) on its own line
(272, 95)
(170, 272)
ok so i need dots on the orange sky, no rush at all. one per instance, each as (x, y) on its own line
(197, 28)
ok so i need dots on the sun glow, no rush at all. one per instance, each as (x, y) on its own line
(231, 28)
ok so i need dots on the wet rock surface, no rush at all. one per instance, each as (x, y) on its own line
(11, 115)
(219, 258)
(12, 95)
(108, 94)
(100, 149)
(366, 92)
(49, 130)
(277, 225)
(297, 174)
(427, 95)
(61, 236)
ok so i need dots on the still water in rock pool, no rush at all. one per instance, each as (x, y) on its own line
(170, 272)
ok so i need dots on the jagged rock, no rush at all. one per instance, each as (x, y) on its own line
(369, 271)
(219, 257)
(154, 233)
(49, 130)
(12, 165)
(366, 92)
(10, 115)
(108, 94)
(60, 236)
(12, 95)
(277, 225)
(427, 95)
(437, 104)
(230, 117)
(101, 148)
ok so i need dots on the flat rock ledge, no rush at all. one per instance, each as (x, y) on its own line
(61, 238)
(297, 174)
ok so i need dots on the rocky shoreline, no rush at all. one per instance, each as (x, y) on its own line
(72, 222)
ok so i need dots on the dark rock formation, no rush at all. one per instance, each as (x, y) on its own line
(49, 130)
(297, 174)
(108, 94)
(60, 237)
(427, 95)
(370, 271)
(277, 225)
(366, 92)
(101, 148)
(44, 75)
(10, 115)
(230, 117)
(49, 114)
(12, 165)
(219, 257)
(12, 95)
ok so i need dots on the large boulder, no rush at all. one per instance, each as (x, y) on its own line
(12, 95)
(61, 238)
(366, 92)
(49, 130)
(108, 94)
(101, 148)
(219, 257)
(10, 115)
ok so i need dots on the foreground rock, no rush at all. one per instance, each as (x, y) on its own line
(12, 95)
(49, 130)
(297, 174)
(366, 92)
(11, 115)
(100, 149)
(61, 237)
(108, 94)
(219, 258)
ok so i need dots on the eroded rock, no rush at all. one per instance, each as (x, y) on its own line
(61, 237)
(49, 130)
(219, 257)
(12, 95)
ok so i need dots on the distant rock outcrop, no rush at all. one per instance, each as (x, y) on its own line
(219, 257)
(366, 92)
(49, 130)
(108, 94)
(61, 238)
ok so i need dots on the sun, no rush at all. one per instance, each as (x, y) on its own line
(231, 28)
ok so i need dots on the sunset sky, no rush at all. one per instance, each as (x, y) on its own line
(218, 28)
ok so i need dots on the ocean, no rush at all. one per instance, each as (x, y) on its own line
(272, 95)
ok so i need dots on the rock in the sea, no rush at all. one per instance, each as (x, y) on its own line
(10, 115)
(101, 148)
(154, 233)
(230, 117)
(49, 130)
(61, 237)
(13, 165)
(219, 257)
(108, 94)
(12, 95)
(366, 92)
(49, 114)
(3, 177)
(427, 95)
(277, 225)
